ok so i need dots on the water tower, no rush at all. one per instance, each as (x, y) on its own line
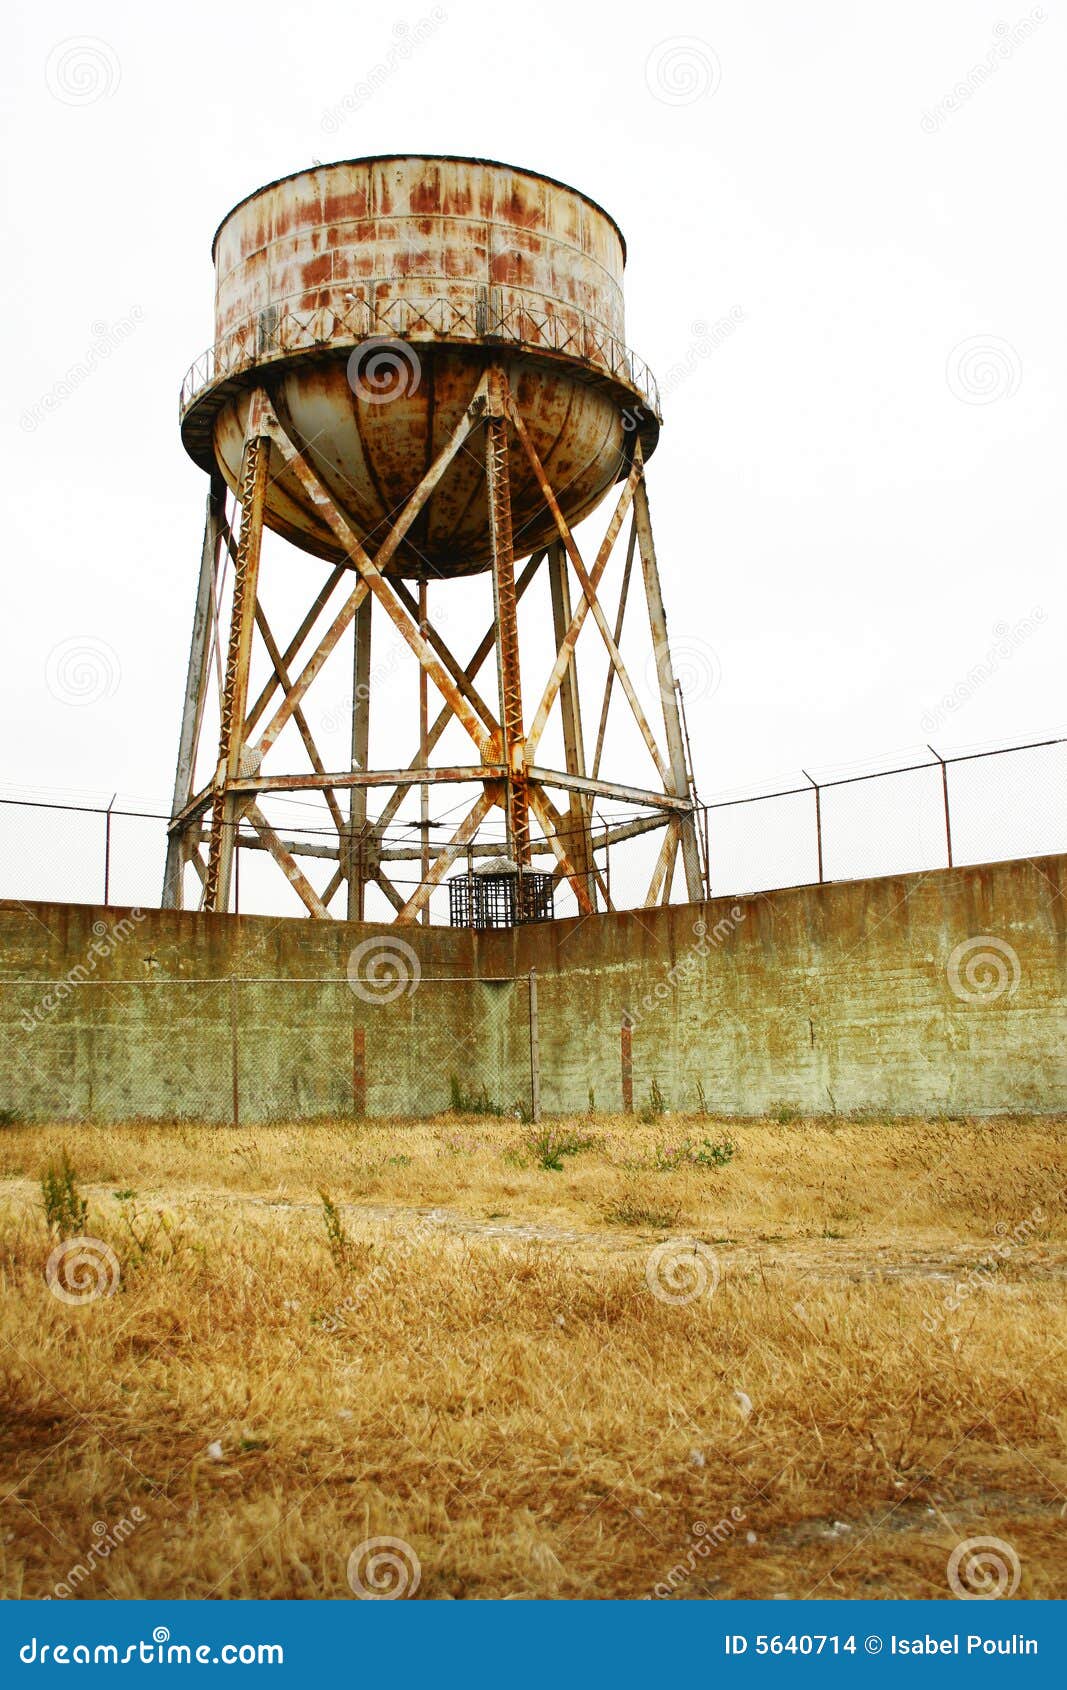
(420, 373)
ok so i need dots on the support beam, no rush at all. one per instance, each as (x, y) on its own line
(424, 749)
(570, 708)
(288, 865)
(371, 572)
(588, 587)
(298, 715)
(553, 826)
(465, 832)
(679, 781)
(484, 647)
(620, 618)
(608, 789)
(357, 812)
(507, 628)
(352, 779)
(195, 687)
(570, 639)
(225, 811)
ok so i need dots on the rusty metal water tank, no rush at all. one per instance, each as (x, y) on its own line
(368, 296)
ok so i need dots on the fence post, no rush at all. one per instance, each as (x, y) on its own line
(107, 852)
(818, 819)
(535, 1050)
(234, 1075)
(627, 1046)
(707, 855)
(944, 794)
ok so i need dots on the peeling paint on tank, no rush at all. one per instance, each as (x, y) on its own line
(455, 258)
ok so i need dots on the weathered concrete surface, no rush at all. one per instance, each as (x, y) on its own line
(936, 992)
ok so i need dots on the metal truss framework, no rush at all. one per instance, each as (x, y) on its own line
(206, 825)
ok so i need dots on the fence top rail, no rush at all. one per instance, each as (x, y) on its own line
(406, 829)
(262, 980)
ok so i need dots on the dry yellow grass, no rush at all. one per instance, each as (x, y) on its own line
(871, 1374)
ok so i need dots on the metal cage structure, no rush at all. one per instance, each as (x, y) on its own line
(500, 894)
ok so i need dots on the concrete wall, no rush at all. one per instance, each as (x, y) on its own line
(920, 993)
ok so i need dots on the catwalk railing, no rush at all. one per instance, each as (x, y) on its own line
(973, 807)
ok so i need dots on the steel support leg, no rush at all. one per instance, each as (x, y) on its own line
(357, 808)
(579, 843)
(657, 617)
(225, 806)
(195, 687)
(507, 630)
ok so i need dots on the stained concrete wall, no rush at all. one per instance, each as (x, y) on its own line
(936, 992)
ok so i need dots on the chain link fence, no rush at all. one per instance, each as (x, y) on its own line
(236, 1050)
(983, 806)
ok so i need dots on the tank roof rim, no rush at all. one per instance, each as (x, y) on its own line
(435, 158)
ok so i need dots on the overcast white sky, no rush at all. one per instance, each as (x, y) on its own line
(854, 504)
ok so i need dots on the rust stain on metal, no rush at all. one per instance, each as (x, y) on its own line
(441, 256)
